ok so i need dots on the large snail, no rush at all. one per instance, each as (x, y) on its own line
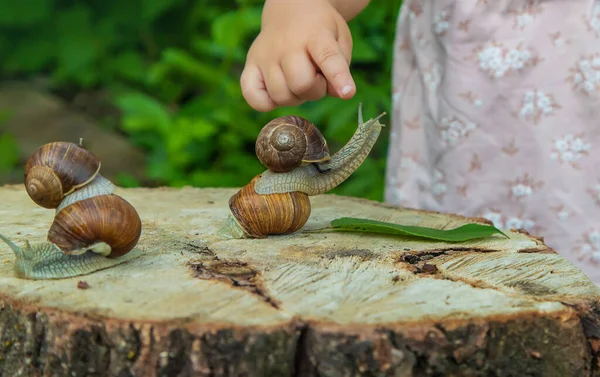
(92, 227)
(277, 200)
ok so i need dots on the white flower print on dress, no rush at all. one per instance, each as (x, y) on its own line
(472, 98)
(452, 130)
(523, 186)
(570, 149)
(536, 104)
(497, 60)
(524, 16)
(558, 40)
(409, 161)
(588, 247)
(396, 96)
(415, 8)
(585, 76)
(438, 186)
(521, 222)
(440, 23)
(561, 212)
(432, 77)
(518, 222)
(495, 217)
(594, 192)
(593, 21)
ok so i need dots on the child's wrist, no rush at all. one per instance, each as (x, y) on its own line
(278, 10)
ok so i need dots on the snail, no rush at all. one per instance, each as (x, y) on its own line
(287, 142)
(276, 201)
(93, 228)
(55, 170)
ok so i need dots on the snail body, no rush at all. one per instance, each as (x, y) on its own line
(46, 261)
(278, 202)
(93, 228)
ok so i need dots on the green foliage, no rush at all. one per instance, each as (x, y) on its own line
(173, 67)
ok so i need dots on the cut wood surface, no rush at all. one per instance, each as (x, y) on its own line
(308, 304)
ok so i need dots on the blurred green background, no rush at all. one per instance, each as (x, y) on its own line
(163, 75)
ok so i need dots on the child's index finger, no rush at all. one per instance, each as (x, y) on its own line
(328, 56)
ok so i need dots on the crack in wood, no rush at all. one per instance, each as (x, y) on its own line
(362, 254)
(421, 262)
(199, 249)
(236, 273)
(413, 257)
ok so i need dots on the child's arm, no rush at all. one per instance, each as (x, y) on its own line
(302, 53)
(349, 8)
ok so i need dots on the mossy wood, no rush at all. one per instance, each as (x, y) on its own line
(308, 304)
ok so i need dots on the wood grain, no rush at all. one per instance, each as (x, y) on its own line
(307, 304)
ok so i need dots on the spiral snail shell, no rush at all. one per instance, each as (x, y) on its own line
(92, 227)
(56, 169)
(254, 213)
(287, 142)
(276, 202)
(107, 218)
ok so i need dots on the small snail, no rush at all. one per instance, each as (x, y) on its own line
(55, 170)
(287, 142)
(92, 226)
(277, 202)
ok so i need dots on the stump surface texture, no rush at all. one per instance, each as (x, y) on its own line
(308, 304)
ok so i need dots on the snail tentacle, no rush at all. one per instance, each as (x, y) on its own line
(15, 249)
(315, 180)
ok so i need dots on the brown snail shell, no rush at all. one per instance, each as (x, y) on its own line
(289, 141)
(106, 218)
(57, 169)
(262, 215)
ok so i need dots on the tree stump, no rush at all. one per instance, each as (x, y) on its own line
(307, 304)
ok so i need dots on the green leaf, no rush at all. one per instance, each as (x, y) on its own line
(183, 62)
(129, 65)
(462, 233)
(143, 113)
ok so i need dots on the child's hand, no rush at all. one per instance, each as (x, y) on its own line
(301, 54)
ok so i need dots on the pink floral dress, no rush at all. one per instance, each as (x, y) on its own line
(497, 114)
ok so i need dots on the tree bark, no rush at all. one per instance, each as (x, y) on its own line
(307, 304)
